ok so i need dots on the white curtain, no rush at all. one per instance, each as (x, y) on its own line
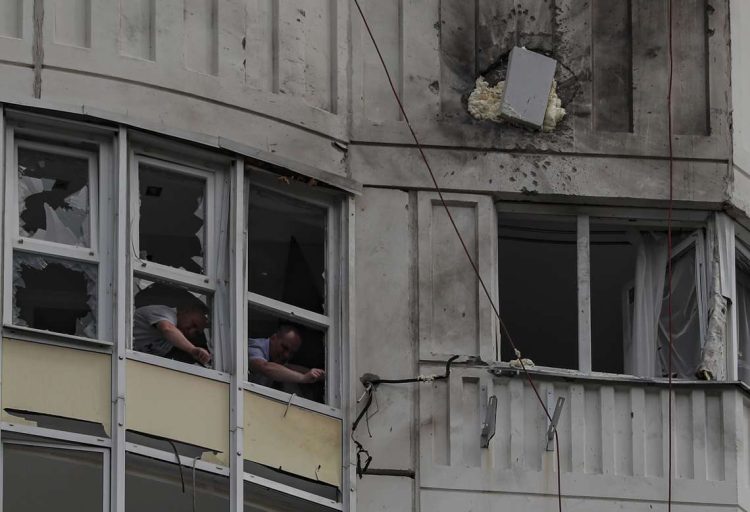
(743, 324)
(642, 347)
(686, 325)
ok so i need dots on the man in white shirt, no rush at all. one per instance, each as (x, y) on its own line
(269, 358)
(159, 330)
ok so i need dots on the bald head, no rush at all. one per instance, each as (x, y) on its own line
(284, 344)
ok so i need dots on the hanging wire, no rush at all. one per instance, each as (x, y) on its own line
(473, 264)
(669, 249)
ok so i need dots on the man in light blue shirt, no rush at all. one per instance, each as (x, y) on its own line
(268, 359)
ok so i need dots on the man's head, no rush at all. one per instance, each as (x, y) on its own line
(192, 319)
(284, 344)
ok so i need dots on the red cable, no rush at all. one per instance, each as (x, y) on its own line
(463, 244)
(669, 250)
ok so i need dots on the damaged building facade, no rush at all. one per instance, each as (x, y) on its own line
(247, 159)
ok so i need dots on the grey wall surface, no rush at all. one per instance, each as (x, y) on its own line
(294, 76)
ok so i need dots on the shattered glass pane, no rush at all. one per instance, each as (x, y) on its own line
(287, 247)
(173, 214)
(54, 294)
(53, 197)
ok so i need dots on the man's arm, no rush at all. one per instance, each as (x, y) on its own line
(280, 373)
(173, 335)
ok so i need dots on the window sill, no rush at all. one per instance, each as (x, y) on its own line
(548, 373)
(192, 369)
(295, 400)
(22, 333)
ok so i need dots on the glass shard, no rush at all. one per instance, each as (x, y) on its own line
(172, 218)
(53, 197)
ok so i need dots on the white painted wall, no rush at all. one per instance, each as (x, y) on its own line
(268, 74)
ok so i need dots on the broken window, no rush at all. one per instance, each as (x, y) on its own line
(310, 354)
(172, 226)
(688, 305)
(287, 246)
(186, 309)
(742, 270)
(53, 194)
(54, 237)
(179, 258)
(290, 245)
(54, 294)
(538, 288)
(38, 477)
(593, 294)
(153, 485)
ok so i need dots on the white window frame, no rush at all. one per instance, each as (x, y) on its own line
(70, 447)
(636, 217)
(742, 249)
(100, 250)
(330, 322)
(168, 160)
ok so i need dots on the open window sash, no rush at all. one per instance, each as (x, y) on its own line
(646, 304)
(742, 309)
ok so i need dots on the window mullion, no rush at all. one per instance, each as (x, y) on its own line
(121, 331)
(584, 294)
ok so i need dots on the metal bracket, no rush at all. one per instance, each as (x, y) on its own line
(552, 425)
(488, 426)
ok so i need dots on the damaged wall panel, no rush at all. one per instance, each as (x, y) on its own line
(690, 105)
(295, 440)
(455, 316)
(178, 406)
(58, 381)
(613, 65)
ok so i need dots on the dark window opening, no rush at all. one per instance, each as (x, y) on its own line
(54, 197)
(40, 478)
(172, 219)
(53, 294)
(539, 288)
(263, 499)
(287, 250)
(310, 354)
(613, 259)
(742, 272)
(188, 310)
(153, 485)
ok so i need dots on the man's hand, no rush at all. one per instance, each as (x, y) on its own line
(201, 355)
(313, 375)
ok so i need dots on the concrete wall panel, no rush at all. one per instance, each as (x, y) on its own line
(455, 316)
(11, 18)
(385, 344)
